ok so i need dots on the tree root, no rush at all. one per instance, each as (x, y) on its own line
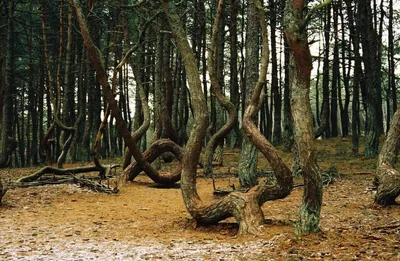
(388, 181)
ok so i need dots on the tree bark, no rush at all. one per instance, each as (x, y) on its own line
(248, 156)
(372, 77)
(387, 177)
(301, 65)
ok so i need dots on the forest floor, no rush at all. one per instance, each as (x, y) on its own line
(145, 222)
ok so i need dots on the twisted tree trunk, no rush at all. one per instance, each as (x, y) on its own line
(244, 207)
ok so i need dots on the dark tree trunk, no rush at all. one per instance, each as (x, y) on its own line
(287, 113)
(235, 137)
(372, 77)
(8, 90)
(355, 106)
(392, 90)
(275, 89)
(344, 107)
(335, 78)
(325, 112)
(248, 156)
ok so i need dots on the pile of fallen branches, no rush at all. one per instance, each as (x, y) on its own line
(51, 176)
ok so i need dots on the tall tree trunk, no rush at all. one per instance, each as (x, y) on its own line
(301, 65)
(275, 89)
(287, 113)
(235, 137)
(325, 112)
(248, 155)
(392, 90)
(372, 77)
(8, 90)
(344, 107)
(335, 78)
(355, 106)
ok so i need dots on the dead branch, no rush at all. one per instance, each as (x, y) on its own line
(62, 172)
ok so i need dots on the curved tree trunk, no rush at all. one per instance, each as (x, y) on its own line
(218, 137)
(56, 101)
(387, 177)
(301, 65)
(98, 64)
(244, 207)
(156, 149)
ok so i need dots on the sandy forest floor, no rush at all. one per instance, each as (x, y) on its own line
(143, 222)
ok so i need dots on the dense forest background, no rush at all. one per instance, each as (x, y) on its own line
(50, 96)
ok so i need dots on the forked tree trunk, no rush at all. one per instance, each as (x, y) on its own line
(244, 207)
(301, 65)
(387, 177)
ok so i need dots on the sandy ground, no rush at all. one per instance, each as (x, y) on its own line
(65, 222)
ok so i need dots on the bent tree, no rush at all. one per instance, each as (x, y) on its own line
(387, 178)
(219, 136)
(300, 72)
(244, 207)
(98, 64)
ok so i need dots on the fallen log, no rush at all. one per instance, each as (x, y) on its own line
(51, 176)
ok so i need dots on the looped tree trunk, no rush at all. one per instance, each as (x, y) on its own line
(156, 149)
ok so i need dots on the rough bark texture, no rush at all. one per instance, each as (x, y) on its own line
(301, 65)
(387, 177)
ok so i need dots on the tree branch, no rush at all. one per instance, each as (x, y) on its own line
(315, 8)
